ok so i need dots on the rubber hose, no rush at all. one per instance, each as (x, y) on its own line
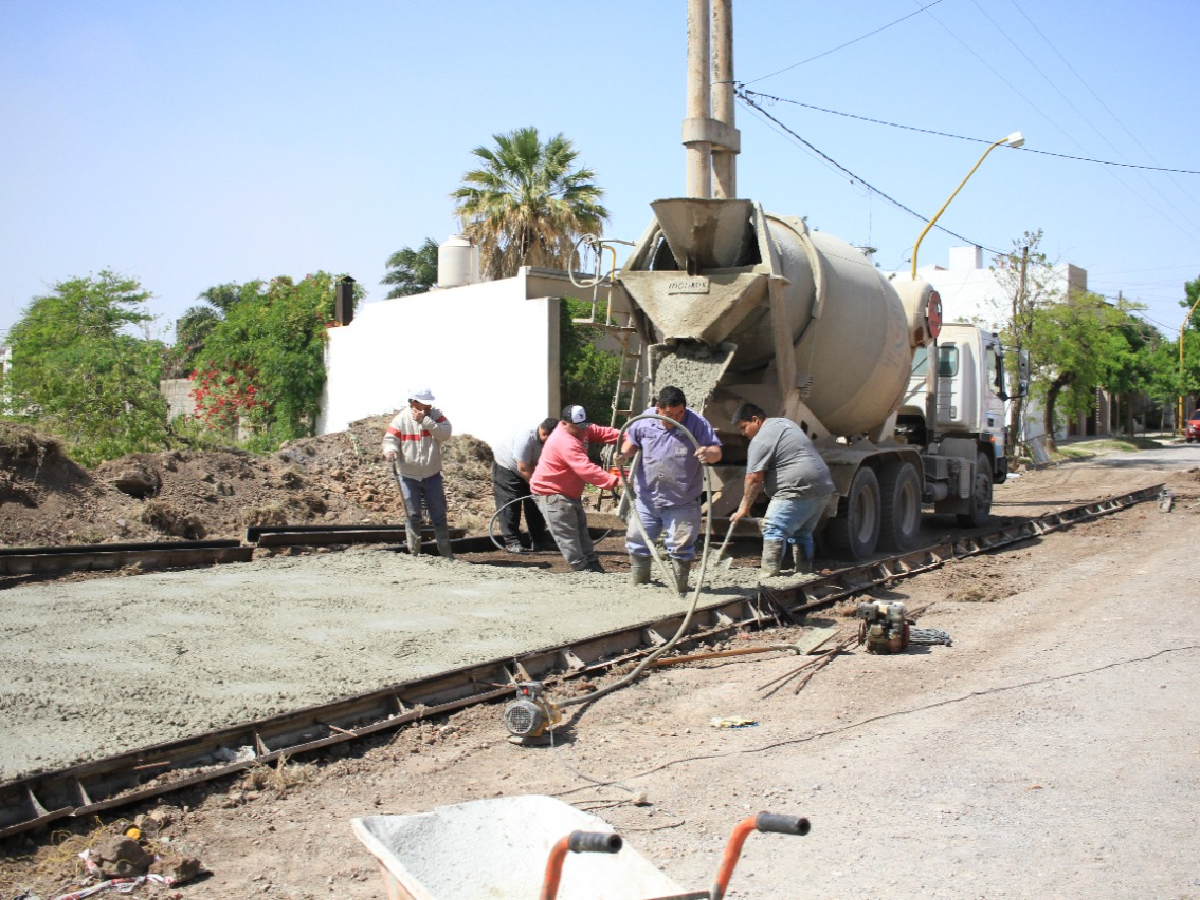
(687, 620)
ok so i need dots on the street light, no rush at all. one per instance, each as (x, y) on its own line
(1183, 325)
(1013, 140)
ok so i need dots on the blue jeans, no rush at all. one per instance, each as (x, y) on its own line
(793, 519)
(681, 523)
(427, 492)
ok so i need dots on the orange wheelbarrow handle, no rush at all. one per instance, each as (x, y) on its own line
(576, 842)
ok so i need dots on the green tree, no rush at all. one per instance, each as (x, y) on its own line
(412, 271)
(1076, 344)
(78, 372)
(527, 204)
(197, 323)
(588, 375)
(264, 361)
(1026, 280)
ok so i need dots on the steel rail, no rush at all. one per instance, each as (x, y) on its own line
(103, 557)
(89, 788)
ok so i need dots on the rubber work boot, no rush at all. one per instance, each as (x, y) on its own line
(639, 569)
(412, 537)
(442, 534)
(804, 562)
(683, 568)
(772, 558)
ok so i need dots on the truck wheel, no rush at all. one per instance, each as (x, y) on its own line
(899, 507)
(981, 496)
(1001, 475)
(854, 531)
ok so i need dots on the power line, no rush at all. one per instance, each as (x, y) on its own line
(1076, 109)
(847, 44)
(960, 137)
(1095, 96)
(1185, 229)
(742, 95)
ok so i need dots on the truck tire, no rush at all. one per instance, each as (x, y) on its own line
(854, 531)
(1001, 475)
(899, 507)
(980, 502)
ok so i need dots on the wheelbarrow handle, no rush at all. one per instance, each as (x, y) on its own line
(575, 842)
(764, 821)
(794, 825)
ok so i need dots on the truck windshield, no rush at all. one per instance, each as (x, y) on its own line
(948, 366)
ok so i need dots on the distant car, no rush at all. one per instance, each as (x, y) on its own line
(1191, 429)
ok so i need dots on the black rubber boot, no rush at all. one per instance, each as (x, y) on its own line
(804, 562)
(412, 536)
(682, 568)
(639, 569)
(442, 534)
(772, 558)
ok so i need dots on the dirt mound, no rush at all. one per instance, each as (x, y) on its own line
(47, 499)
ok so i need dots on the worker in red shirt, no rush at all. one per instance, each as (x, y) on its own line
(557, 484)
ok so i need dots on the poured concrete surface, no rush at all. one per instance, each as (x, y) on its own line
(95, 668)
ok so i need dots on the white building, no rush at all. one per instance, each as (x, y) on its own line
(972, 293)
(5, 368)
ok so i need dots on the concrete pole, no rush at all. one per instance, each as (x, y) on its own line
(699, 98)
(724, 163)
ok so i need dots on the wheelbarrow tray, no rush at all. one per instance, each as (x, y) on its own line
(497, 849)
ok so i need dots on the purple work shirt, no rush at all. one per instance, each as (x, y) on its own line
(669, 474)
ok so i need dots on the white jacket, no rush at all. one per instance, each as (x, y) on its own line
(419, 444)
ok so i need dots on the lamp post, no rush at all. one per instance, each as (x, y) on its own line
(1183, 325)
(1013, 140)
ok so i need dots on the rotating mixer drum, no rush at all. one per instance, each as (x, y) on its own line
(722, 271)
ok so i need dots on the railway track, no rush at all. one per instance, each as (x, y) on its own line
(94, 787)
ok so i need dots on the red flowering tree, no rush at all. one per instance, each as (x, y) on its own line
(264, 363)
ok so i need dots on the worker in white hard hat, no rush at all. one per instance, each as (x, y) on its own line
(414, 442)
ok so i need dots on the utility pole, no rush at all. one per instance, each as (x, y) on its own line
(1022, 321)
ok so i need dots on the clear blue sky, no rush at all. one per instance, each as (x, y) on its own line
(190, 144)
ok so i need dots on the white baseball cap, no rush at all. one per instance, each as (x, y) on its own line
(576, 415)
(422, 395)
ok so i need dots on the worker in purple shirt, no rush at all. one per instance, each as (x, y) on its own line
(668, 482)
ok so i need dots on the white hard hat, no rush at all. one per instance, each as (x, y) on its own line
(422, 395)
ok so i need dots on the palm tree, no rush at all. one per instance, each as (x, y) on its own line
(412, 271)
(526, 206)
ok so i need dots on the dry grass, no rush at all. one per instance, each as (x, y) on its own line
(277, 779)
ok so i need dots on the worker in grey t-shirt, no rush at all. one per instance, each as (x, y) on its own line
(513, 463)
(783, 460)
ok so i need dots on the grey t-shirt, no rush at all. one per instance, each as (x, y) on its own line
(791, 465)
(523, 446)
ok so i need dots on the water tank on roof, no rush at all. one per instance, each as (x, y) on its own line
(458, 262)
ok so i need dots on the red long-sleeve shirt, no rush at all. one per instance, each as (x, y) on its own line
(564, 467)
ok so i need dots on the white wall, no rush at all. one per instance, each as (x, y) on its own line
(489, 352)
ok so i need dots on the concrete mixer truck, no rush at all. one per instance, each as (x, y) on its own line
(737, 304)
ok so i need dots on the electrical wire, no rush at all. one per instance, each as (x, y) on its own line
(741, 95)
(1053, 122)
(960, 137)
(847, 44)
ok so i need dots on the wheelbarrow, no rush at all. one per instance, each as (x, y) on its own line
(521, 848)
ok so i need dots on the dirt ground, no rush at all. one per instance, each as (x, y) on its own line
(46, 499)
(1051, 751)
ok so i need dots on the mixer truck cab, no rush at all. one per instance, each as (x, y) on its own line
(970, 387)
